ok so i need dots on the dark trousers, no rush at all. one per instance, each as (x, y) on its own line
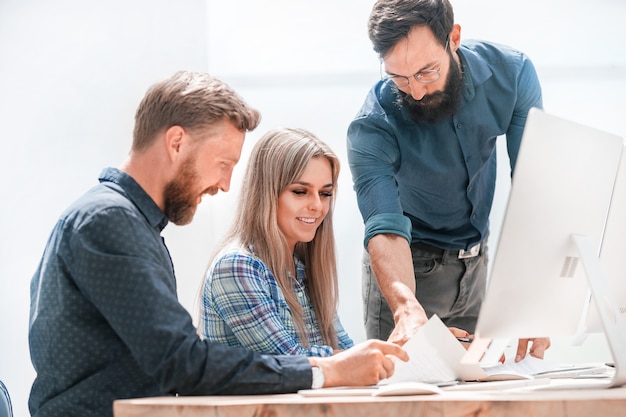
(445, 285)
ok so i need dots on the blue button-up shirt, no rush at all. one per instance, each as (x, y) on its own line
(435, 182)
(105, 321)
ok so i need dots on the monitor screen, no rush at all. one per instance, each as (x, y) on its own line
(562, 186)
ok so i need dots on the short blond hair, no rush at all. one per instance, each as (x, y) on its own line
(192, 100)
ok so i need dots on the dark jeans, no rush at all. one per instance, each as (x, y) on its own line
(447, 286)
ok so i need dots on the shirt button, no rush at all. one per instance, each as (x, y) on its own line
(459, 125)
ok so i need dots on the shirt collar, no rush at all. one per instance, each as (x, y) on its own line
(133, 191)
(475, 71)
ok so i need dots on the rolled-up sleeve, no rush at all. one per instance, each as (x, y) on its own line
(387, 223)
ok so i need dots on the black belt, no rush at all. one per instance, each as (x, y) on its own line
(461, 254)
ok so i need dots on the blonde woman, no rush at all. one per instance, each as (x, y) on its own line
(272, 287)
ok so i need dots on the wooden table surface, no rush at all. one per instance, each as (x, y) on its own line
(528, 401)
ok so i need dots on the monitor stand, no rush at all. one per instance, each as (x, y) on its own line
(488, 351)
(612, 323)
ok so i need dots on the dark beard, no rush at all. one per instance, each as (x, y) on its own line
(179, 199)
(438, 105)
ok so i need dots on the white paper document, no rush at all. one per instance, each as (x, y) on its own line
(433, 351)
(437, 361)
(436, 357)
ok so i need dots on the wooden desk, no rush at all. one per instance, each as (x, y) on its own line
(597, 402)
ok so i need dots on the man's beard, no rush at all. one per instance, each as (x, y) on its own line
(179, 198)
(438, 105)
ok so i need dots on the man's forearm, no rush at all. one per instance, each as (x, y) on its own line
(390, 257)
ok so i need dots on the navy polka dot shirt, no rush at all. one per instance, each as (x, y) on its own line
(106, 324)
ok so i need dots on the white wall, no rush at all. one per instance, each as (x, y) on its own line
(71, 76)
(72, 73)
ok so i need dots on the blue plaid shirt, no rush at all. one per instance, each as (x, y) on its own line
(242, 305)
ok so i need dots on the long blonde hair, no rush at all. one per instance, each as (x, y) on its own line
(277, 160)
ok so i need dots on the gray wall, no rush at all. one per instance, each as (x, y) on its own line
(72, 73)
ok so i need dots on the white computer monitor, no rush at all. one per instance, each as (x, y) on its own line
(562, 187)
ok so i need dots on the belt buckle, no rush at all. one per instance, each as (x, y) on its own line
(472, 252)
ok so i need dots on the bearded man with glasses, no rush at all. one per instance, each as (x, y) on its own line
(422, 152)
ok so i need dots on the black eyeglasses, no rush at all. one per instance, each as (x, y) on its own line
(424, 76)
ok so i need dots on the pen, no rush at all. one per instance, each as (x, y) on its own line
(465, 339)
